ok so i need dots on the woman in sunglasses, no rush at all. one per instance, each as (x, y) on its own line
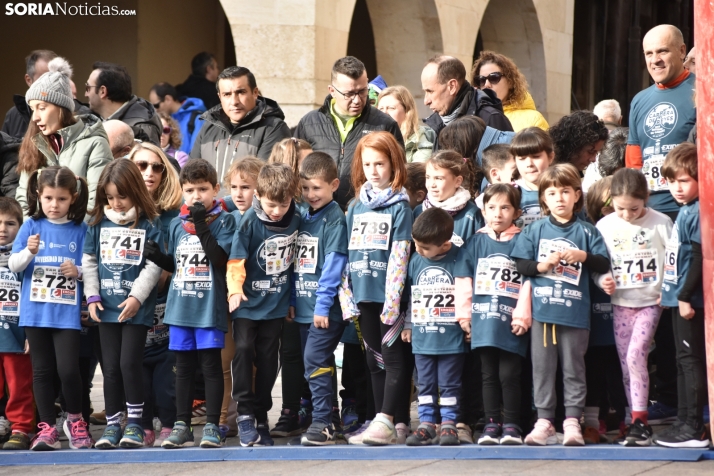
(498, 72)
(171, 139)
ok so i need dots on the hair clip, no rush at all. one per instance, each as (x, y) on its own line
(514, 185)
(466, 159)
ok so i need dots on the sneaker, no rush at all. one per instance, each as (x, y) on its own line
(491, 434)
(465, 434)
(133, 436)
(448, 436)
(511, 435)
(149, 438)
(17, 441)
(480, 424)
(350, 417)
(4, 427)
(264, 432)
(305, 414)
(79, 437)
(165, 433)
(246, 430)
(198, 412)
(402, 433)
(661, 414)
(572, 433)
(355, 438)
(156, 423)
(622, 433)
(110, 438)
(318, 435)
(685, 437)
(181, 436)
(639, 434)
(98, 418)
(423, 436)
(211, 436)
(543, 434)
(47, 439)
(591, 436)
(288, 425)
(380, 432)
(60, 426)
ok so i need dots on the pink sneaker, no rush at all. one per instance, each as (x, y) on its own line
(543, 434)
(165, 433)
(402, 433)
(79, 437)
(572, 433)
(47, 439)
(380, 432)
(149, 438)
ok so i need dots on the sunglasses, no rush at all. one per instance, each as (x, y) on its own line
(155, 166)
(493, 78)
(166, 130)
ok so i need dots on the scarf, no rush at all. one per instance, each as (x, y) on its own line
(451, 205)
(275, 226)
(120, 218)
(373, 199)
(506, 235)
(211, 215)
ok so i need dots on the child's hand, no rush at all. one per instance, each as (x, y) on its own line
(92, 306)
(571, 256)
(407, 335)
(518, 330)
(33, 244)
(130, 307)
(321, 322)
(466, 327)
(69, 270)
(235, 300)
(608, 285)
(686, 310)
(291, 314)
(197, 212)
(551, 262)
(27, 346)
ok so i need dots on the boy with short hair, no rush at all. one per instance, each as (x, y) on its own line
(320, 257)
(259, 280)
(199, 243)
(682, 291)
(15, 363)
(498, 164)
(438, 345)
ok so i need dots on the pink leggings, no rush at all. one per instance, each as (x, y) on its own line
(634, 330)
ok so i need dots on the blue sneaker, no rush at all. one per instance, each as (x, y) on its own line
(246, 430)
(181, 436)
(110, 439)
(661, 414)
(350, 418)
(305, 414)
(264, 432)
(133, 436)
(212, 437)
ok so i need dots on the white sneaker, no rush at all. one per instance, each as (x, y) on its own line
(157, 424)
(543, 434)
(572, 433)
(380, 432)
(4, 426)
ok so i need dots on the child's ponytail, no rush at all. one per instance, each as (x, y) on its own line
(78, 210)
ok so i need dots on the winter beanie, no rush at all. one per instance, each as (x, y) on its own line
(53, 86)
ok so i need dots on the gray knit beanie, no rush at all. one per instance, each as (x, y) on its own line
(53, 86)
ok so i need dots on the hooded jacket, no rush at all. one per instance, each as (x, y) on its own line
(18, 117)
(201, 88)
(221, 142)
(85, 151)
(189, 120)
(141, 116)
(473, 102)
(319, 129)
(524, 114)
(9, 149)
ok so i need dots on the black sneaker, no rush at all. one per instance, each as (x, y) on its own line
(264, 432)
(336, 421)
(511, 435)
(686, 437)
(318, 435)
(448, 435)
(491, 434)
(423, 436)
(670, 430)
(638, 434)
(287, 425)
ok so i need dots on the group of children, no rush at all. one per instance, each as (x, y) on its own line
(427, 278)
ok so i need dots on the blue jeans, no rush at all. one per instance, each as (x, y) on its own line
(439, 382)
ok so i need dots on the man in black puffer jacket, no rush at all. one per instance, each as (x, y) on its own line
(344, 118)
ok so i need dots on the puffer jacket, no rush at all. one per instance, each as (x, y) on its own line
(419, 146)
(319, 129)
(141, 116)
(524, 115)
(9, 149)
(221, 142)
(189, 120)
(85, 151)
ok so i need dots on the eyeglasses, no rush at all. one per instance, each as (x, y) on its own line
(88, 86)
(493, 78)
(156, 106)
(157, 167)
(166, 130)
(362, 93)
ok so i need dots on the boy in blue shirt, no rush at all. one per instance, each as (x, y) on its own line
(438, 346)
(259, 279)
(199, 243)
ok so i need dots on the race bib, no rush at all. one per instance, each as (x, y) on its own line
(121, 245)
(670, 261)
(497, 275)
(192, 264)
(306, 250)
(568, 273)
(651, 168)
(9, 298)
(370, 231)
(635, 268)
(158, 330)
(49, 285)
(279, 253)
(433, 304)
